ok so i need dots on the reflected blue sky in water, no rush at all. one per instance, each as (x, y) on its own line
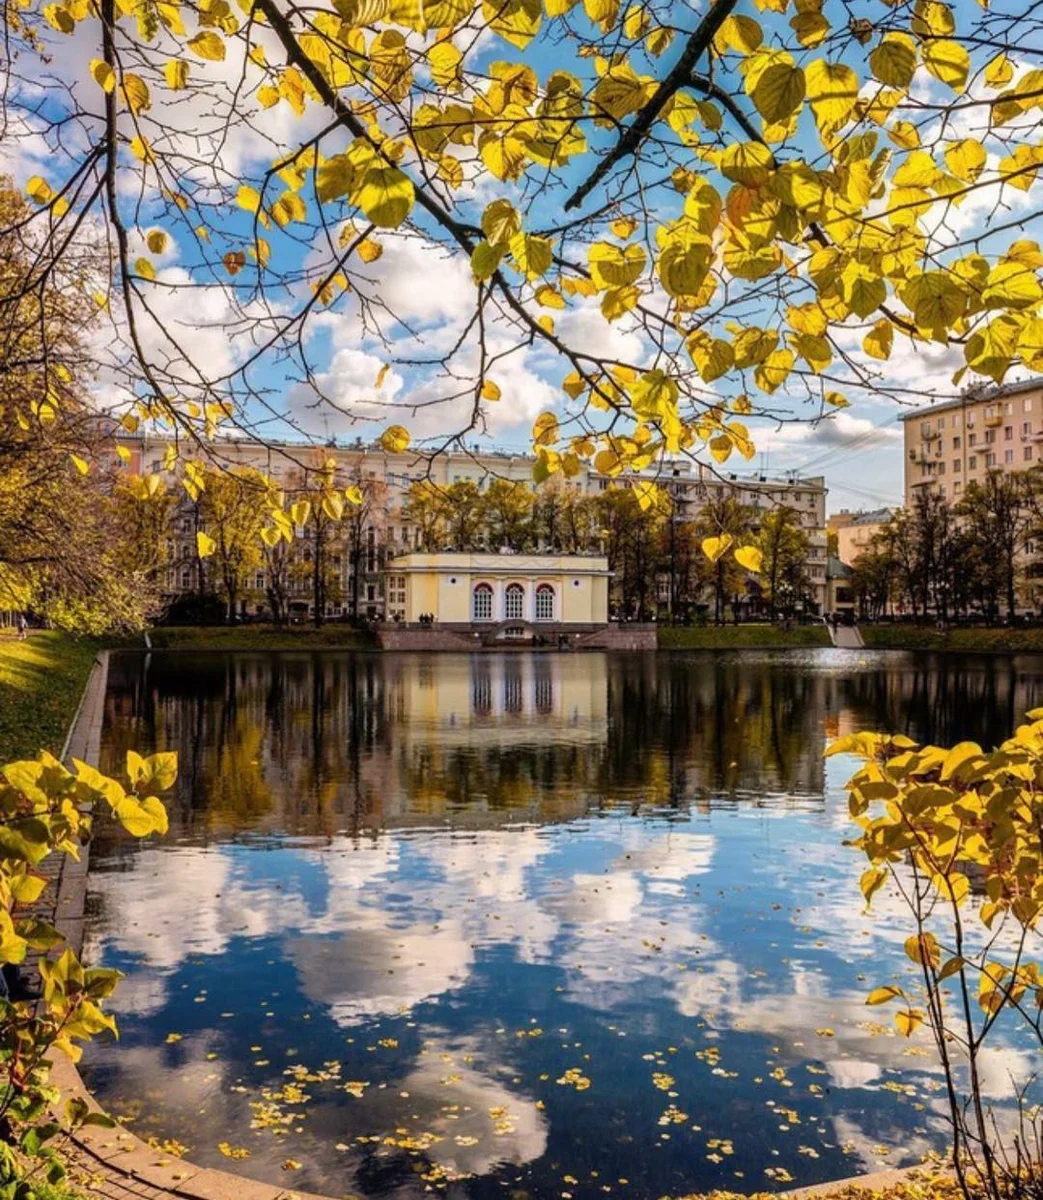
(570, 920)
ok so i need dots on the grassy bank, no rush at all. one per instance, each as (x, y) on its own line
(741, 637)
(258, 637)
(41, 681)
(963, 641)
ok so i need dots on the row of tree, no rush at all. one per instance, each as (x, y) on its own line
(655, 552)
(975, 558)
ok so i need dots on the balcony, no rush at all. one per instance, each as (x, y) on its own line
(996, 420)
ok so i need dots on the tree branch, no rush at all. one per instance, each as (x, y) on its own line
(678, 75)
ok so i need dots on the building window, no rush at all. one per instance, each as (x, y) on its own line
(1026, 404)
(482, 603)
(1026, 428)
(545, 602)
(972, 439)
(514, 602)
(956, 443)
(186, 577)
(990, 437)
(990, 460)
(955, 464)
(941, 468)
(1008, 456)
(973, 462)
(1008, 433)
(1028, 453)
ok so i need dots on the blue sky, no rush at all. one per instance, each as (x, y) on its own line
(416, 301)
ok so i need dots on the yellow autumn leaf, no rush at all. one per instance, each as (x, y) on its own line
(948, 62)
(144, 268)
(156, 241)
(104, 76)
(386, 196)
(80, 464)
(176, 74)
(205, 544)
(894, 60)
(395, 439)
(832, 90)
(616, 266)
(716, 547)
(779, 91)
(208, 45)
(751, 558)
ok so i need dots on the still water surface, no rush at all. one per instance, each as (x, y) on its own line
(525, 926)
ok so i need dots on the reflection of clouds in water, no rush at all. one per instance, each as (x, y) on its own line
(142, 916)
(377, 970)
(474, 1119)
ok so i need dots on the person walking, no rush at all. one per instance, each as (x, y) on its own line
(22, 627)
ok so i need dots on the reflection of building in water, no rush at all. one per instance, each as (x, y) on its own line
(316, 743)
(501, 699)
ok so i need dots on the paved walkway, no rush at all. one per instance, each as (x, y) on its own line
(847, 637)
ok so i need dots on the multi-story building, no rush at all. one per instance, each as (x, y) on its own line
(950, 444)
(384, 529)
(855, 530)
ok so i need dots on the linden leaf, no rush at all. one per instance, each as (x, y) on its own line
(386, 196)
(779, 91)
(176, 74)
(616, 266)
(156, 241)
(832, 91)
(205, 544)
(104, 76)
(716, 547)
(395, 439)
(894, 61)
(947, 61)
(209, 45)
(490, 391)
(532, 255)
(751, 558)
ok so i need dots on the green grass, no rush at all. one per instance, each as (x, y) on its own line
(738, 637)
(41, 681)
(258, 637)
(964, 641)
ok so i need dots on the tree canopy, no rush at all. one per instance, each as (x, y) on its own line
(650, 229)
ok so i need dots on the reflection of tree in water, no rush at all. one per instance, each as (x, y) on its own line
(315, 743)
(946, 698)
(708, 724)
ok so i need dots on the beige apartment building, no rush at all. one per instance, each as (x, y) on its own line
(855, 530)
(949, 444)
(387, 478)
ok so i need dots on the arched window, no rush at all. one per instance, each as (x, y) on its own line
(514, 602)
(545, 602)
(482, 603)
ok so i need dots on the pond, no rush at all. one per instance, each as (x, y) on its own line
(519, 925)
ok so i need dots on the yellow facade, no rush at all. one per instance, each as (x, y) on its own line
(490, 589)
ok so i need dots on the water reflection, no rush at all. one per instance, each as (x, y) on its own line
(519, 923)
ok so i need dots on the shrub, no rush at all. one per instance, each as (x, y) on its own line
(47, 810)
(957, 834)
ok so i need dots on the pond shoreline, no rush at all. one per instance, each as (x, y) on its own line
(118, 1165)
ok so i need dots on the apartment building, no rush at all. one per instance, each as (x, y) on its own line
(855, 530)
(948, 445)
(387, 477)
